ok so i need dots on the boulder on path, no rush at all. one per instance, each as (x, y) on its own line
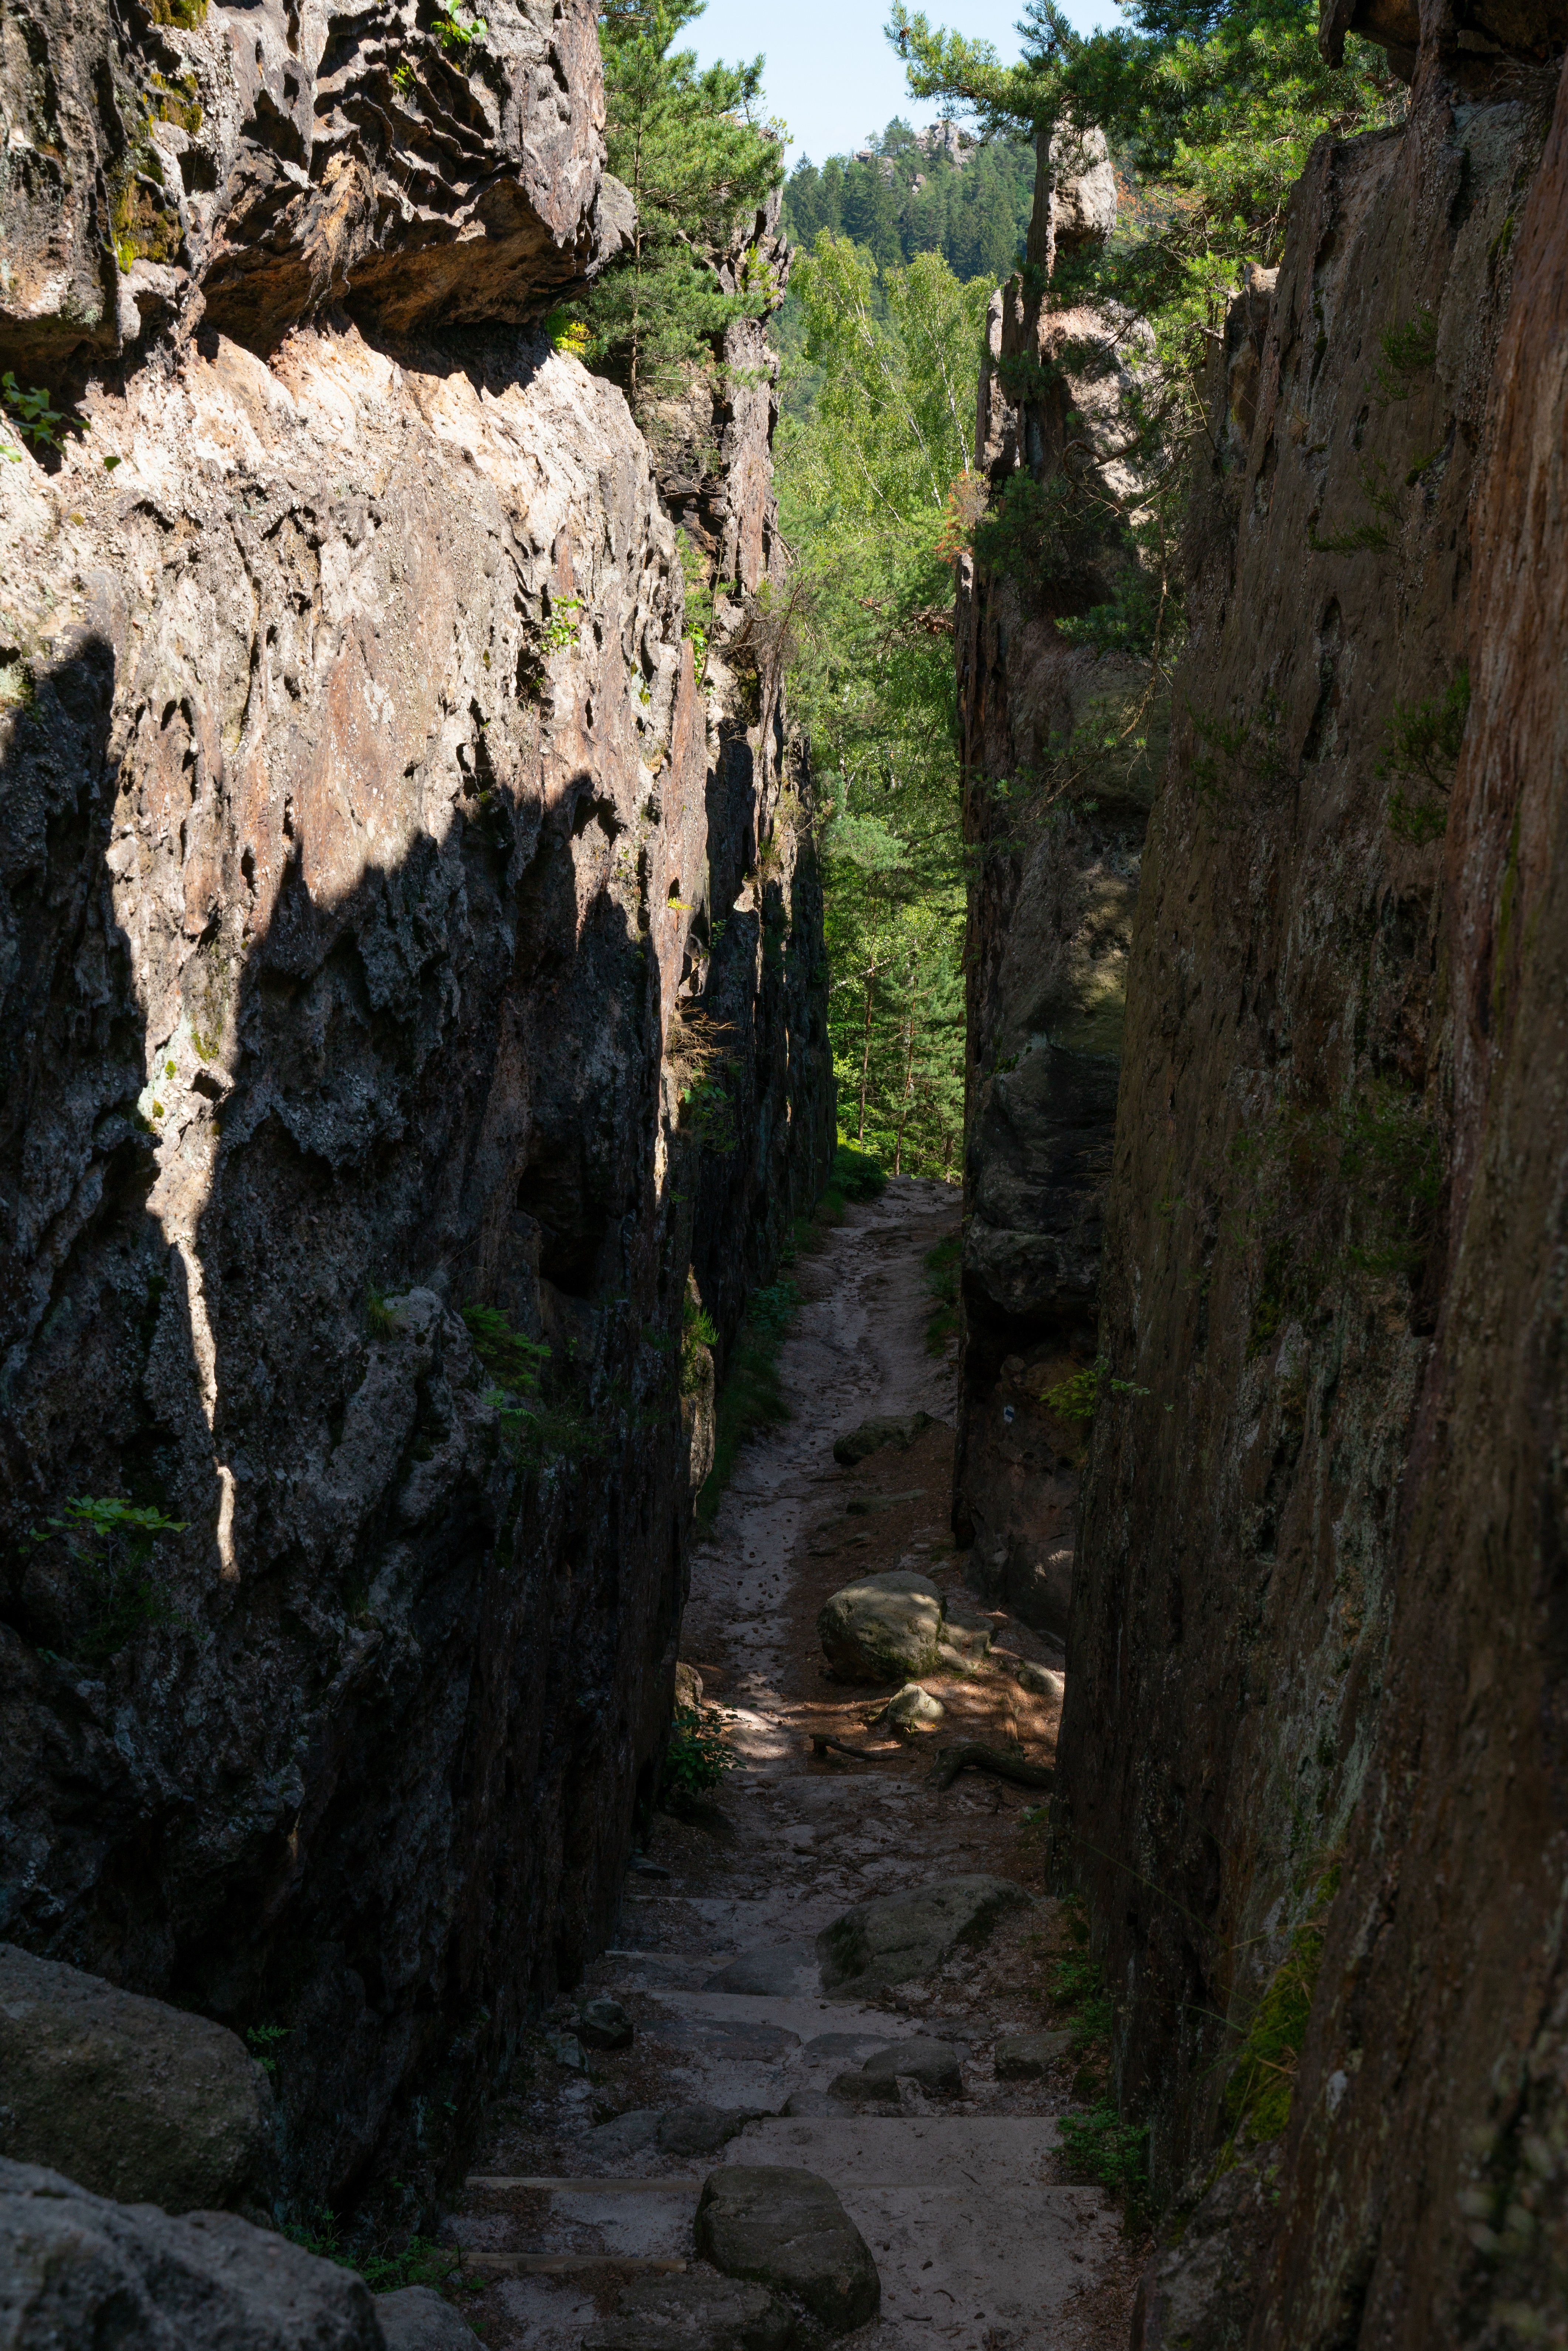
(902, 1428)
(913, 1710)
(127, 2096)
(885, 1628)
(785, 2230)
(603, 2025)
(897, 1935)
(1025, 2056)
(415, 2318)
(933, 2064)
(1042, 1681)
(672, 2130)
(779, 1971)
(77, 2269)
(694, 2314)
(688, 1686)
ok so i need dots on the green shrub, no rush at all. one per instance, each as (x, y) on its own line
(512, 1360)
(1100, 2147)
(697, 1335)
(696, 1757)
(112, 1542)
(419, 2261)
(857, 1174)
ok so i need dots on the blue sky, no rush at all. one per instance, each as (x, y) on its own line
(831, 74)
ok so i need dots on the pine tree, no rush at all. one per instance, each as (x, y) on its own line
(698, 157)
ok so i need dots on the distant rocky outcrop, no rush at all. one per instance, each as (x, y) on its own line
(412, 1015)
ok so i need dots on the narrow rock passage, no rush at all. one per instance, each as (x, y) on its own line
(739, 2048)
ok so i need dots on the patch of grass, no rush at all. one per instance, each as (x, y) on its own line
(1262, 2079)
(1080, 1395)
(751, 1397)
(1421, 742)
(942, 1265)
(380, 1319)
(695, 1758)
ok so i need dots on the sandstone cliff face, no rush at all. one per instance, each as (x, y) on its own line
(1056, 836)
(1311, 1725)
(364, 843)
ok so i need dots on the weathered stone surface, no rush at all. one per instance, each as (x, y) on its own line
(702, 2130)
(688, 1686)
(784, 1969)
(77, 2269)
(127, 2096)
(1042, 1681)
(899, 1935)
(1049, 927)
(1027, 2056)
(276, 165)
(868, 1436)
(416, 2318)
(884, 1628)
(694, 2314)
(602, 2025)
(913, 1708)
(933, 2064)
(787, 2229)
(360, 864)
(1318, 1605)
(1199, 2294)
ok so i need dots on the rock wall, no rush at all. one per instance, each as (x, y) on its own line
(1310, 1756)
(1055, 830)
(367, 834)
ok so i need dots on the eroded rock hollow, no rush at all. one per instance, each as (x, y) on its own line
(380, 884)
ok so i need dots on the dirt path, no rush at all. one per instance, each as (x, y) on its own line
(979, 2244)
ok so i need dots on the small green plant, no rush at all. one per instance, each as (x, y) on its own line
(458, 34)
(419, 2261)
(857, 1174)
(380, 1319)
(1099, 2146)
(1408, 352)
(262, 2040)
(1262, 2078)
(403, 78)
(514, 1361)
(37, 420)
(1421, 742)
(942, 1264)
(696, 1758)
(112, 1542)
(564, 624)
(697, 1335)
(1078, 1397)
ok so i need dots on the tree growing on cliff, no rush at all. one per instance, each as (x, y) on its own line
(693, 147)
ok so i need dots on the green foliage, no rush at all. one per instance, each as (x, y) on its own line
(697, 1335)
(420, 2261)
(1078, 1397)
(1422, 740)
(186, 13)
(380, 1319)
(857, 1175)
(1259, 2091)
(1099, 2146)
(262, 2040)
(751, 1397)
(867, 465)
(695, 1758)
(457, 34)
(698, 159)
(564, 624)
(1043, 536)
(975, 213)
(36, 419)
(1408, 352)
(513, 1361)
(942, 1266)
(111, 1542)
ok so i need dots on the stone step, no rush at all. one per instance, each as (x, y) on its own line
(574, 2264)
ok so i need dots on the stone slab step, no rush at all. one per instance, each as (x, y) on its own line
(574, 2264)
(673, 2184)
